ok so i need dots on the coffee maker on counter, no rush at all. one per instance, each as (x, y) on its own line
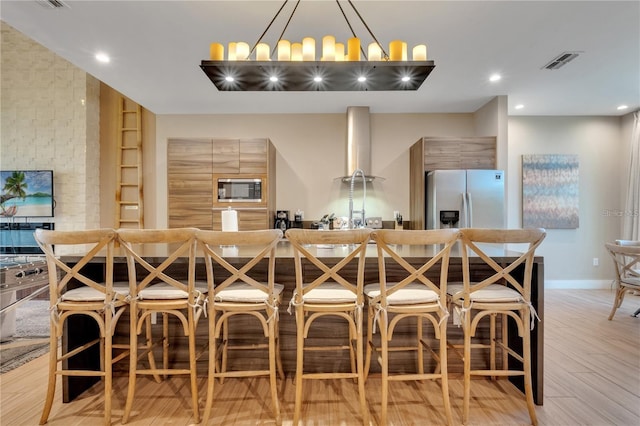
(282, 220)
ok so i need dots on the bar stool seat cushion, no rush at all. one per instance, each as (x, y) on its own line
(631, 280)
(165, 291)
(410, 294)
(88, 294)
(330, 292)
(491, 293)
(243, 292)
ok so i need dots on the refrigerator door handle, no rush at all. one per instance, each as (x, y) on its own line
(470, 209)
(465, 211)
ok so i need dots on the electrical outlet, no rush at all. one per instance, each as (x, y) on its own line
(596, 261)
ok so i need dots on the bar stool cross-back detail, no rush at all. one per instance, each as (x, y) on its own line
(504, 295)
(73, 292)
(324, 289)
(156, 289)
(238, 294)
(420, 295)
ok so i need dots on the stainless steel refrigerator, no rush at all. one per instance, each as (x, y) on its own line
(465, 199)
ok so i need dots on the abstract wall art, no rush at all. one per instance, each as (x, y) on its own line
(550, 189)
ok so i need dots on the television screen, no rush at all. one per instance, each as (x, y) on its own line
(26, 193)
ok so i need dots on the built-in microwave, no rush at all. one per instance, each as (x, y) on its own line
(239, 190)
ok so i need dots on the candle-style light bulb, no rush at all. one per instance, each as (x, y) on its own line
(308, 49)
(284, 50)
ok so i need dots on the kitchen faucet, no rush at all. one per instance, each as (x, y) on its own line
(364, 197)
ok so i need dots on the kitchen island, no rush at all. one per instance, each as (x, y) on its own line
(332, 328)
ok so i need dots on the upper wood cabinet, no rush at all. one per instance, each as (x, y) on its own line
(254, 156)
(226, 155)
(240, 156)
(189, 156)
(459, 153)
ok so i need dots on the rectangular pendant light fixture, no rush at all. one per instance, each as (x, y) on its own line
(317, 75)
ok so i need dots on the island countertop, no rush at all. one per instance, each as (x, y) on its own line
(284, 250)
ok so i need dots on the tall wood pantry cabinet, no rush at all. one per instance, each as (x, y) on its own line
(193, 167)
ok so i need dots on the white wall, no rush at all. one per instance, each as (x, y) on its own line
(598, 142)
(492, 120)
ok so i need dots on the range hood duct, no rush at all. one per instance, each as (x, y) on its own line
(358, 143)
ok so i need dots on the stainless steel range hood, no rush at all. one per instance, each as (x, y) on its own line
(358, 143)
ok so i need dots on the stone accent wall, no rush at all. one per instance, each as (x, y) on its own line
(51, 120)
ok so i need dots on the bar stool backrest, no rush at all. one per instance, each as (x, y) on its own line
(505, 273)
(308, 244)
(171, 246)
(213, 243)
(88, 244)
(390, 241)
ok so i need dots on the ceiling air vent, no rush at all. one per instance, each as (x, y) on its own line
(54, 4)
(561, 60)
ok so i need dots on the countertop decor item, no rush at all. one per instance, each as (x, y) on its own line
(297, 68)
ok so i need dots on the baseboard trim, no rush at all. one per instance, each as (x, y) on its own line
(578, 284)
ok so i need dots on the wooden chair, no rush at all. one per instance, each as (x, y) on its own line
(324, 288)
(236, 294)
(420, 295)
(506, 292)
(156, 260)
(74, 291)
(626, 261)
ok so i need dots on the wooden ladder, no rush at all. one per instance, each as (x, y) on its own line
(129, 205)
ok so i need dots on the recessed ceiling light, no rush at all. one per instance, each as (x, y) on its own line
(229, 78)
(102, 57)
(362, 79)
(273, 78)
(495, 77)
(317, 79)
(621, 107)
(406, 78)
(519, 106)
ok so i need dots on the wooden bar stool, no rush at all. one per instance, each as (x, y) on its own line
(95, 298)
(324, 290)
(420, 295)
(239, 294)
(154, 289)
(505, 293)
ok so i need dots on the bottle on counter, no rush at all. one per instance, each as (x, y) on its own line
(398, 221)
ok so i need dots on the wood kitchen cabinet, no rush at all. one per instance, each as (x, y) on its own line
(190, 189)
(241, 156)
(248, 219)
(190, 200)
(226, 156)
(186, 156)
(192, 165)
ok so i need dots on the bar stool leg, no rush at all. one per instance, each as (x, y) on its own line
(526, 358)
(467, 367)
(53, 366)
(299, 363)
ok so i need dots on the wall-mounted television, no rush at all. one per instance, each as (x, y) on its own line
(26, 193)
